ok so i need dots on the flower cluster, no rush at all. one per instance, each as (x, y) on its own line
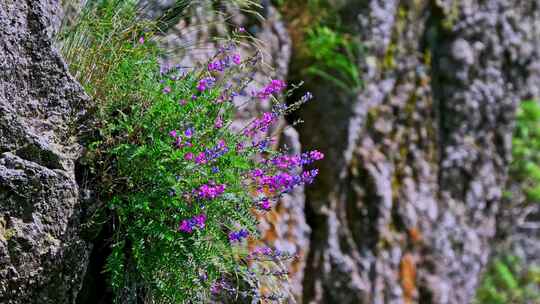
(213, 175)
(178, 140)
(196, 222)
(210, 192)
(290, 161)
(282, 182)
(217, 151)
(261, 124)
(205, 83)
(275, 86)
(264, 253)
(220, 65)
(238, 236)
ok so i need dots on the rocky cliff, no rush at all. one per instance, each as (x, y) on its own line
(420, 155)
(42, 257)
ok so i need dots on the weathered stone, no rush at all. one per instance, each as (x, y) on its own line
(407, 213)
(42, 258)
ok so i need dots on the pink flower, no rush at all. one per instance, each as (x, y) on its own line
(210, 192)
(198, 221)
(218, 124)
(188, 156)
(316, 155)
(185, 227)
(265, 204)
(205, 83)
(275, 86)
(166, 90)
(201, 158)
(141, 40)
(236, 59)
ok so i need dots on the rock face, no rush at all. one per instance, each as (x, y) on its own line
(42, 258)
(406, 207)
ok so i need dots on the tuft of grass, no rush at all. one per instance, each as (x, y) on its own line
(323, 47)
(335, 57)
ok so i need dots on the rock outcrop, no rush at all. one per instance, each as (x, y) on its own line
(42, 257)
(405, 210)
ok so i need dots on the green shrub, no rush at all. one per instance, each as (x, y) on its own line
(508, 280)
(183, 186)
(525, 167)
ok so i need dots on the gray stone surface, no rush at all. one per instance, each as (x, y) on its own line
(42, 258)
(406, 208)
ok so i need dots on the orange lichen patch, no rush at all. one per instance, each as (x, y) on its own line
(415, 235)
(408, 277)
(270, 236)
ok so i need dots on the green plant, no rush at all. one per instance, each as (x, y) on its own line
(525, 167)
(183, 186)
(507, 280)
(334, 56)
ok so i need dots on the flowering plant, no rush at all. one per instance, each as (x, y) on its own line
(187, 184)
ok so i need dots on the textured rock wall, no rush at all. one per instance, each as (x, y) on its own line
(42, 257)
(422, 152)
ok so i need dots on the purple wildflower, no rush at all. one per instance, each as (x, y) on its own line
(166, 90)
(210, 192)
(307, 97)
(275, 86)
(240, 147)
(185, 227)
(205, 83)
(238, 236)
(201, 158)
(215, 288)
(188, 225)
(200, 220)
(236, 59)
(257, 172)
(188, 156)
(189, 132)
(316, 155)
(203, 276)
(141, 40)
(218, 124)
(265, 204)
(215, 66)
(309, 176)
(261, 124)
